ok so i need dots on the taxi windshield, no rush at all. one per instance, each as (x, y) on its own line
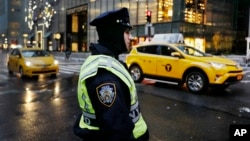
(192, 51)
(34, 53)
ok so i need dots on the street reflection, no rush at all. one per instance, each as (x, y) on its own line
(28, 96)
(43, 88)
(56, 94)
(29, 118)
(38, 96)
(56, 89)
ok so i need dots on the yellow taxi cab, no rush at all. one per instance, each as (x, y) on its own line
(183, 64)
(31, 62)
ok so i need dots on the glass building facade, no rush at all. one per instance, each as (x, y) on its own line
(12, 22)
(206, 24)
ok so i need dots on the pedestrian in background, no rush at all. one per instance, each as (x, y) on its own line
(106, 92)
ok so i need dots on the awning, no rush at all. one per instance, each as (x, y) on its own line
(47, 34)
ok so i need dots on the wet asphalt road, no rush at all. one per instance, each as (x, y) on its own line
(44, 109)
(49, 116)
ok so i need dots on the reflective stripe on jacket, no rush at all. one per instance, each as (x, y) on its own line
(89, 69)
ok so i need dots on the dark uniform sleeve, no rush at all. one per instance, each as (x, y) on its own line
(111, 99)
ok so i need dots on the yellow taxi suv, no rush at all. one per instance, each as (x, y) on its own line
(31, 62)
(182, 64)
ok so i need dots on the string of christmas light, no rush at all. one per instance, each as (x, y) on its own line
(40, 10)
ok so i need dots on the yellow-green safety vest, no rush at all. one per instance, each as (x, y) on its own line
(89, 69)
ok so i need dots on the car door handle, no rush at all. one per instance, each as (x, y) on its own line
(146, 60)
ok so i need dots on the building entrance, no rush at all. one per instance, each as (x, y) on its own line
(76, 40)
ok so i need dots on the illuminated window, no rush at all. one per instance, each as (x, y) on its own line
(14, 25)
(194, 11)
(16, 2)
(165, 10)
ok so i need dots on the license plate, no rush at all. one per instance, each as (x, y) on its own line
(239, 77)
(44, 69)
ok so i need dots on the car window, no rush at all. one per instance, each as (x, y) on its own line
(34, 53)
(12, 52)
(148, 49)
(166, 50)
(191, 51)
(15, 52)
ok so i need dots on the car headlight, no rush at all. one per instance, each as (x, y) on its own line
(28, 63)
(217, 65)
(238, 65)
(56, 62)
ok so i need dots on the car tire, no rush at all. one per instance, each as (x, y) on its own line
(21, 72)
(53, 75)
(196, 82)
(10, 72)
(136, 73)
(224, 86)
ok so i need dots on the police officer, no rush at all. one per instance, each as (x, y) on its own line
(106, 92)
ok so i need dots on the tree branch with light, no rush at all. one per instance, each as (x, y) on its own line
(40, 11)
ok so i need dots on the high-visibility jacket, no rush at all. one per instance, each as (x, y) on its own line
(89, 69)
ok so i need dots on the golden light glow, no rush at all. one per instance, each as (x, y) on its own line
(194, 11)
(165, 12)
(198, 43)
(28, 95)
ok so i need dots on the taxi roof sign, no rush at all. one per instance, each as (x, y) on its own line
(169, 38)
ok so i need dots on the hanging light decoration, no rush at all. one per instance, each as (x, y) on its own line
(40, 11)
(30, 13)
(47, 14)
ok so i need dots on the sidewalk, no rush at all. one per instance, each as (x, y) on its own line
(241, 59)
(80, 57)
(74, 57)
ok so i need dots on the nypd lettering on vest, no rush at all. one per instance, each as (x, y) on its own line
(106, 93)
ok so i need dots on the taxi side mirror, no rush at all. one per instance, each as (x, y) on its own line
(18, 56)
(176, 54)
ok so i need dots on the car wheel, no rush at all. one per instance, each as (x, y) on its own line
(196, 82)
(136, 73)
(21, 72)
(10, 72)
(53, 75)
(224, 86)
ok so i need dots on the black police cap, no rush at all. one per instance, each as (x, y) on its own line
(111, 18)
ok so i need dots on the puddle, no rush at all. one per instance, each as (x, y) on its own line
(244, 109)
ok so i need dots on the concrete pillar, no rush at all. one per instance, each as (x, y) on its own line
(248, 48)
(249, 23)
(248, 40)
